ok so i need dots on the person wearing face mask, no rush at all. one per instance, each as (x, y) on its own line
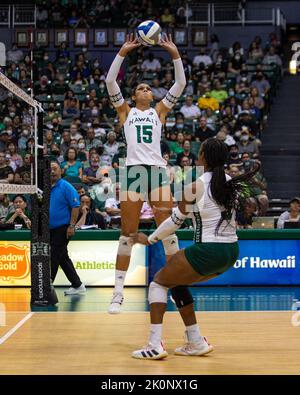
(234, 156)
(236, 63)
(82, 153)
(247, 145)
(119, 158)
(151, 64)
(55, 153)
(261, 84)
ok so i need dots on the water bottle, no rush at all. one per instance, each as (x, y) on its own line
(296, 305)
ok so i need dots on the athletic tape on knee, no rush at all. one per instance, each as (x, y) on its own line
(171, 244)
(157, 293)
(182, 296)
(125, 246)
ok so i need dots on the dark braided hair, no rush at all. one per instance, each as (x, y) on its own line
(230, 195)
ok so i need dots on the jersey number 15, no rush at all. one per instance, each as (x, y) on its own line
(144, 133)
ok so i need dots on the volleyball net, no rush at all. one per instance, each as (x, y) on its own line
(38, 186)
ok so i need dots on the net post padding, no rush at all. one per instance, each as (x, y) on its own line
(42, 291)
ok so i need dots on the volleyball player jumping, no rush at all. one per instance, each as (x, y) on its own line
(145, 166)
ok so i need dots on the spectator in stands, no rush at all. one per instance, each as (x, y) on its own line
(180, 17)
(246, 145)
(14, 54)
(72, 110)
(5, 207)
(146, 216)
(219, 93)
(293, 215)
(23, 138)
(151, 64)
(91, 174)
(272, 57)
(234, 157)
(65, 144)
(41, 16)
(233, 171)
(71, 167)
(74, 135)
(261, 84)
(112, 207)
(257, 100)
(226, 138)
(214, 48)
(167, 19)
(235, 64)
(88, 215)
(236, 49)
(159, 92)
(111, 147)
(190, 110)
(82, 152)
(16, 160)
(23, 173)
(108, 109)
(202, 58)
(244, 218)
(203, 131)
(62, 54)
(187, 153)
(255, 52)
(181, 171)
(177, 146)
(91, 140)
(21, 215)
(119, 158)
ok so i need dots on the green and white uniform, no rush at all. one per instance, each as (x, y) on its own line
(144, 164)
(213, 252)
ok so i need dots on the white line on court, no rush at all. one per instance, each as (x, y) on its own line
(15, 328)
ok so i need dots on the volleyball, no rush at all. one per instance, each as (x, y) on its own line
(149, 33)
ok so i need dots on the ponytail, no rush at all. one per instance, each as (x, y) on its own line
(229, 195)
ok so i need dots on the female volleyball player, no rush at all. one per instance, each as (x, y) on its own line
(213, 198)
(145, 167)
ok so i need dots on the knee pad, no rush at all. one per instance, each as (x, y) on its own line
(157, 293)
(125, 246)
(170, 244)
(182, 296)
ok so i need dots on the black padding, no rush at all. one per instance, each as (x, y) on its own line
(182, 296)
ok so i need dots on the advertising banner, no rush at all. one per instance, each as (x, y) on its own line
(261, 262)
(93, 260)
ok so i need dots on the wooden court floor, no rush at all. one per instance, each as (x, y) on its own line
(98, 343)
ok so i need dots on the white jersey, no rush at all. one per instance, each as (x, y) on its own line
(143, 134)
(207, 214)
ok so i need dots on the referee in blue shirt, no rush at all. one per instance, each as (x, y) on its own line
(64, 210)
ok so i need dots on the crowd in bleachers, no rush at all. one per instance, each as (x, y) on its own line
(228, 96)
(109, 13)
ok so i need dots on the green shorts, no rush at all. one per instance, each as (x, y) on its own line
(212, 258)
(143, 178)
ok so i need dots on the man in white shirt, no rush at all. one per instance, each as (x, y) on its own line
(111, 147)
(202, 58)
(151, 64)
(74, 132)
(272, 57)
(190, 110)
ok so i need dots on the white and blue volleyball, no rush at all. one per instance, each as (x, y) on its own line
(148, 33)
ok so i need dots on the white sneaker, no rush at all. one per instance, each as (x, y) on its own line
(195, 349)
(116, 303)
(76, 291)
(150, 352)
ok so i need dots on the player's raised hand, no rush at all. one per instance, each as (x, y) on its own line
(167, 43)
(130, 44)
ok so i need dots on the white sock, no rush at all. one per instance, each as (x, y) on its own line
(193, 333)
(155, 334)
(119, 281)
